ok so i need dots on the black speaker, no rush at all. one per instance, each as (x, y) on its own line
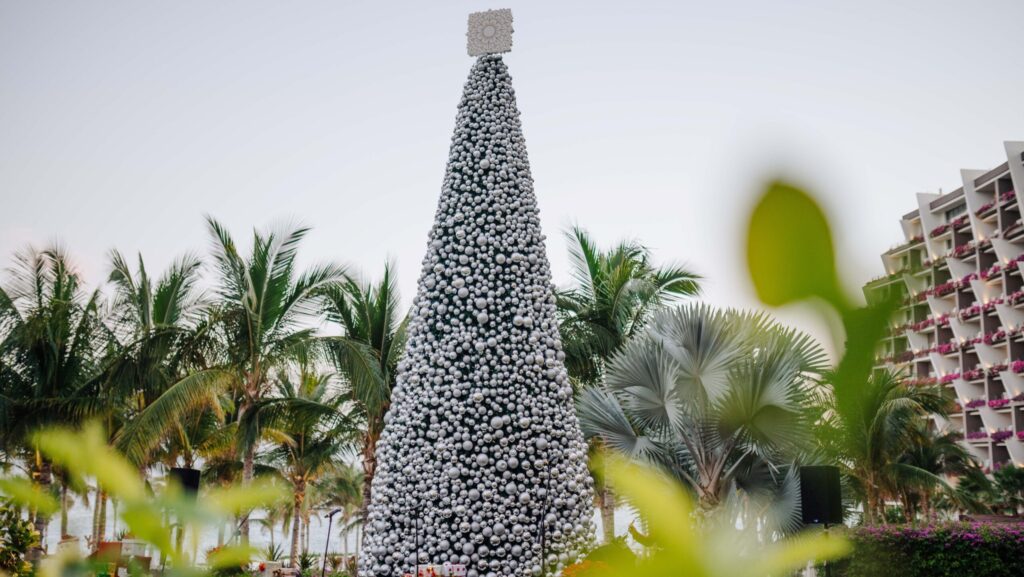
(187, 478)
(820, 496)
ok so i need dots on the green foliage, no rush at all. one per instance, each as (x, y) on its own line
(950, 550)
(613, 294)
(85, 454)
(1009, 483)
(715, 397)
(681, 548)
(17, 536)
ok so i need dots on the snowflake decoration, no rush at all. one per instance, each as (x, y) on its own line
(489, 32)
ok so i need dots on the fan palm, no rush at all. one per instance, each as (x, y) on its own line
(867, 433)
(367, 353)
(613, 294)
(716, 398)
(311, 432)
(51, 343)
(261, 311)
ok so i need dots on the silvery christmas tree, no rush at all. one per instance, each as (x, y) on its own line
(481, 461)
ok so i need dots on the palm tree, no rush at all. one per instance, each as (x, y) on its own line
(716, 398)
(342, 489)
(163, 331)
(262, 312)
(928, 459)
(867, 433)
(311, 431)
(1009, 484)
(51, 343)
(367, 354)
(614, 293)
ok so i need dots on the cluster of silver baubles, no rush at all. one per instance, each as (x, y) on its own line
(482, 461)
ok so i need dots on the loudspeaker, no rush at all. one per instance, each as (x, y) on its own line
(187, 478)
(820, 495)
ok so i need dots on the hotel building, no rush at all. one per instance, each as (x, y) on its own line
(958, 274)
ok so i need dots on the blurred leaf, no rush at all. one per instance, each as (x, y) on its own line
(713, 549)
(26, 494)
(87, 454)
(146, 523)
(789, 249)
(232, 556)
(234, 500)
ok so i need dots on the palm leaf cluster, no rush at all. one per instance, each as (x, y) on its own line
(876, 437)
(224, 363)
(716, 398)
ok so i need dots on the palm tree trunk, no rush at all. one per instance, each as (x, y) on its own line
(369, 469)
(42, 476)
(607, 514)
(102, 525)
(63, 507)
(296, 522)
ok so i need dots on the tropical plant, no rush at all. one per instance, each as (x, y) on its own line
(613, 294)
(261, 308)
(341, 488)
(928, 459)
(867, 436)
(311, 433)
(1009, 485)
(678, 547)
(52, 340)
(17, 537)
(367, 354)
(716, 398)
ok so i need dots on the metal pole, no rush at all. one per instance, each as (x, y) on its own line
(327, 542)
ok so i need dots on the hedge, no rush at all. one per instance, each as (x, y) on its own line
(946, 550)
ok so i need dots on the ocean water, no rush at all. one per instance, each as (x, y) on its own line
(80, 525)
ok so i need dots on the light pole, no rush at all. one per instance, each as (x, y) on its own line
(327, 542)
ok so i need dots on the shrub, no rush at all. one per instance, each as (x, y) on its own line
(953, 550)
(17, 536)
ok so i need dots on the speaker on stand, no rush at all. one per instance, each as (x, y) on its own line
(821, 499)
(187, 478)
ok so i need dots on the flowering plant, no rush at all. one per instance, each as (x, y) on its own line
(946, 348)
(1006, 196)
(996, 403)
(921, 325)
(962, 249)
(939, 230)
(1000, 436)
(969, 312)
(995, 369)
(1015, 297)
(991, 271)
(973, 404)
(975, 435)
(949, 378)
(1020, 435)
(984, 208)
(994, 337)
(972, 375)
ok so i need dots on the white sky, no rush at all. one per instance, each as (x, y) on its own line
(122, 123)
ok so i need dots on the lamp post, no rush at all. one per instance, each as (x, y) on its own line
(327, 542)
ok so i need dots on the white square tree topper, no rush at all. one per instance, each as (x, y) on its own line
(489, 32)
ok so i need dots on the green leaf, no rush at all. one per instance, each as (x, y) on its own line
(26, 494)
(789, 249)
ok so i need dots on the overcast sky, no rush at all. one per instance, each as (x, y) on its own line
(122, 123)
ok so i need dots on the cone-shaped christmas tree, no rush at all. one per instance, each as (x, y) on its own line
(481, 461)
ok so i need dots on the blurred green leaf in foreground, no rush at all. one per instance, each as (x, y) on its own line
(152, 518)
(680, 546)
